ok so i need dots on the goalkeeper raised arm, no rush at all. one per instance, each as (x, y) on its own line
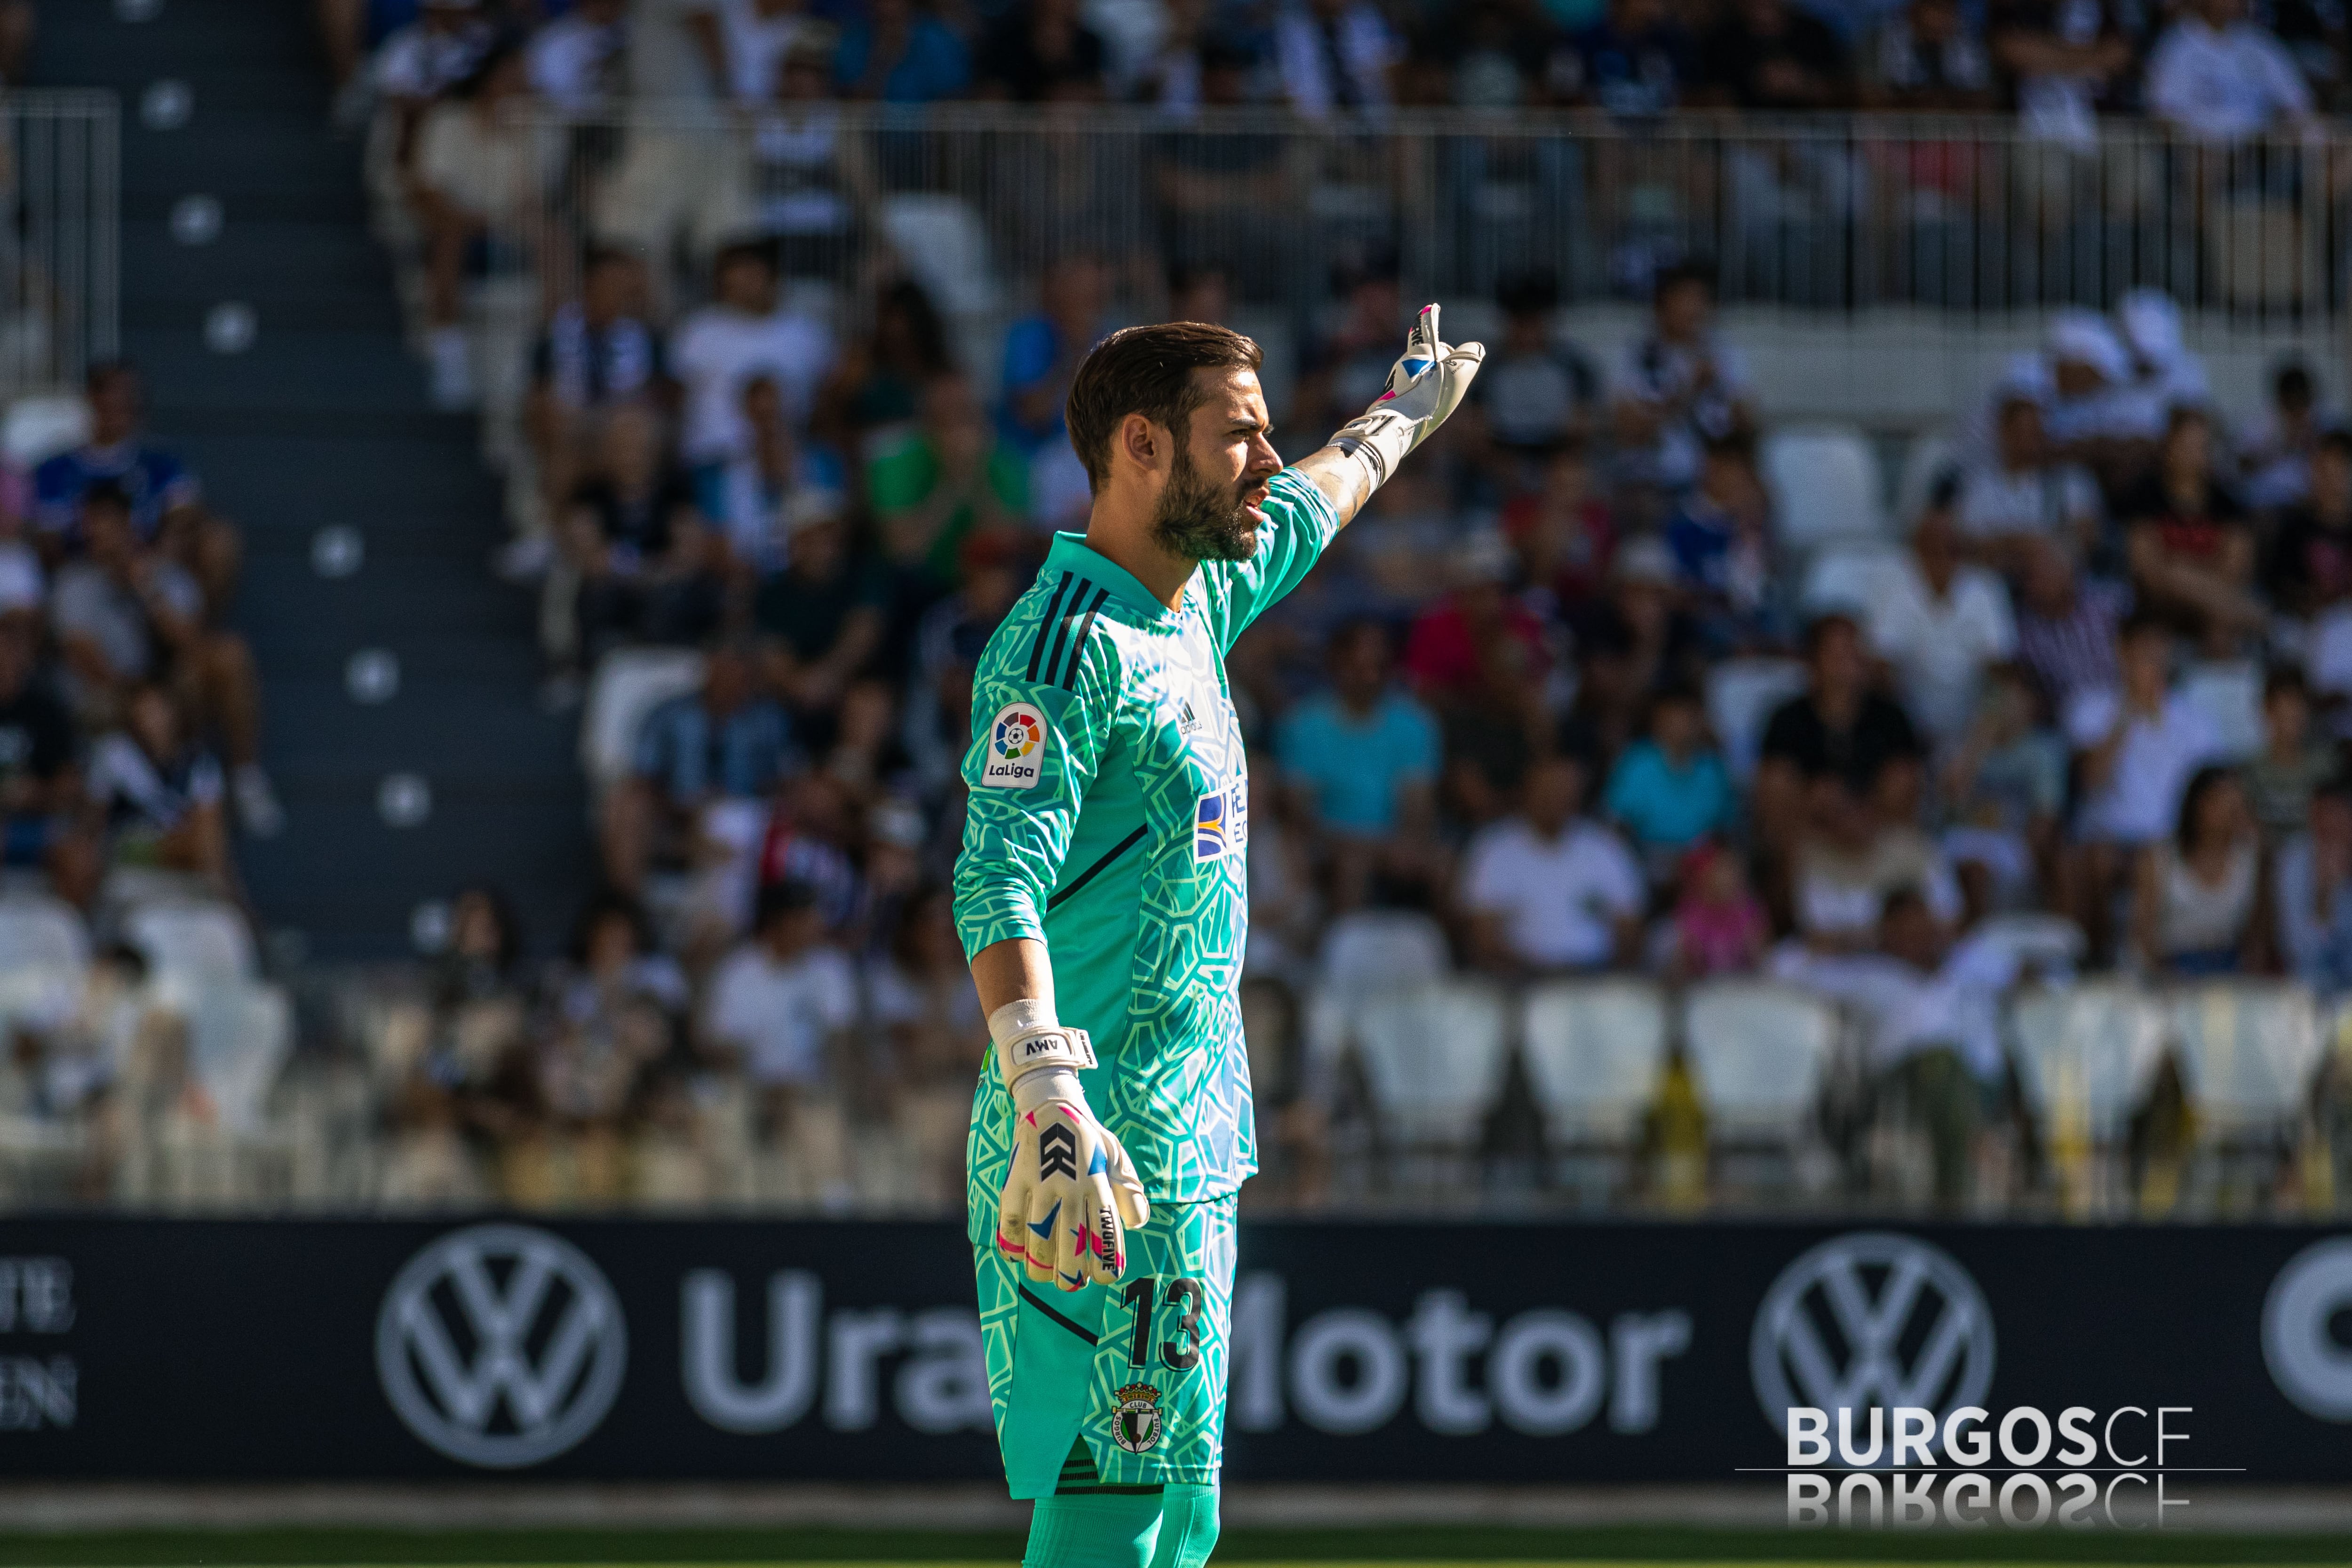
(1102, 898)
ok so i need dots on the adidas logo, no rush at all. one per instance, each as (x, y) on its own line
(1187, 721)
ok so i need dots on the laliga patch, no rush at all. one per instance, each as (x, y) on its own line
(1221, 821)
(1014, 748)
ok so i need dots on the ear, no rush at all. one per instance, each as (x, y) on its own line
(1147, 446)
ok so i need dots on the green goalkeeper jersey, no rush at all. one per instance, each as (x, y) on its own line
(1109, 817)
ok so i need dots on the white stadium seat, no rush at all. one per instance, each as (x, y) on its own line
(1824, 484)
(36, 930)
(1433, 1057)
(2086, 1054)
(1758, 1052)
(193, 938)
(1594, 1050)
(2247, 1051)
(2229, 693)
(1740, 696)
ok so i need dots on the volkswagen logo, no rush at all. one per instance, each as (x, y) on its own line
(500, 1345)
(1868, 1319)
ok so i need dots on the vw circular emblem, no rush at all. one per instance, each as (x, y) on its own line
(1872, 1318)
(500, 1345)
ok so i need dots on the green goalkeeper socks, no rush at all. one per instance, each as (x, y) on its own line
(1173, 1526)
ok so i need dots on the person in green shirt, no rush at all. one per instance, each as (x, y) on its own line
(944, 479)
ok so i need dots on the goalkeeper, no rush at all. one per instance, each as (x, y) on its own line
(1102, 898)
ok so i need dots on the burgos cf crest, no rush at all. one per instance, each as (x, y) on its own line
(1013, 750)
(1135, 1423)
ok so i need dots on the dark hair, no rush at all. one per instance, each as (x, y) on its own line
(906, 296)
(107, 492)
(503, 915)
(2292, 379)
(1346, 632)
(105, 372)
(757, 250)
(607, 903)
(2141, 623)
(1668, 279)
(594, 257)
(1534, 291)
(1146, 370)
(2281, 680)
(2201, 782)
(778, 900)
(1737, 445)
(469, 87)
(2338, 440)
(1821, 625)
(1685, 693)
(1901, 901)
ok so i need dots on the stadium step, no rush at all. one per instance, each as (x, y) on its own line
(322, 421)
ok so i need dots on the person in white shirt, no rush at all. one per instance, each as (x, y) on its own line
(1550, 890)
(780, 1010)
(2221, 79)
(2135, 748)
(740, 337)
(1940, 624)
(2022, 492)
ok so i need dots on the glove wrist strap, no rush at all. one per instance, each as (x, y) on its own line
(1378, 440)
(1029, 1039)
(1038, 1085)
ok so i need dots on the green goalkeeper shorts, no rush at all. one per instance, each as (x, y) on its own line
(1102, 1388)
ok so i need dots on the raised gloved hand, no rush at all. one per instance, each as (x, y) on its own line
(1071, 1192)
(1427, 383)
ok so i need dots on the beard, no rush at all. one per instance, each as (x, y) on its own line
(1203, 520)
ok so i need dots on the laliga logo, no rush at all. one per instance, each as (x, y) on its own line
(500, 1345)
(1871, 1318)
(1017, 735)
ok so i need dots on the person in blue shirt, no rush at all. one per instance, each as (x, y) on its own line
(725, 742)
(1042, 351)
(1671, 790)
(900, 53)
(151, 479)
(1634, 63)
(1362, 755)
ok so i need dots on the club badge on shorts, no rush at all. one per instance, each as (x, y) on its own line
(1135, 1425)
(1013, 750)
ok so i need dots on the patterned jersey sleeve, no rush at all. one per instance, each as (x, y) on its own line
(1040, 729)
(1300, 522)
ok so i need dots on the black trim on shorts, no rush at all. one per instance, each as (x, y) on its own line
(1096, 870)
(1037, 1301)
(1116, 1491)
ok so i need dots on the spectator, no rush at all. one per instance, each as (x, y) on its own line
(781, 1009)
(881, 377)
(610, 1021)
(1854, 854)
(760, 36)
(2311, 549)
(2219, 78)
(1678, 386)
(814, 177)
(40, 786)
(2274, 455)
(2066, 628)
(757, 488)
(2005, 782)
(2022, 491)
(1335, 57)
(2192, 544)
(1042, 351)
(599, 353)
(1838, 726)
(2313, 892)
(1496, 55)
(1479, 650)
(941, 482)
(677, 50)
(1562, 530)
(1535, 390)
(1768, 55)
(418, 63)
(641, 551)
(1924, 58)
(1719, 924)
(1362, 755)
(720, 348)
(156, 794)
(1549, 890)
(1040, 52)
(1941, 623)
(2136, 746)
(1669, 791)
(2164, 375)
(574, 63)
(1632, 643)
(2091, 416)
(2194, 904)
(899, 53)
(1718, 534)
(124, 614)
(920, 995)
(2280, 778)
(819, 620)
(724, 742)
(1635, 62)
(477, 172)
(2064, 61)
(161, 493)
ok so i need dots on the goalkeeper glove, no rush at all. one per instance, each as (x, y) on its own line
(1427, 383)
(1072, 1191)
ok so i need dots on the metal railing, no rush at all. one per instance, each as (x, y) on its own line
(1832, 214)
(60, 245)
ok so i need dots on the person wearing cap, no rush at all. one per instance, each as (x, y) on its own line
(2090, 415)
(819, 620)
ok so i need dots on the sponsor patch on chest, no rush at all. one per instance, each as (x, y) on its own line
(1014, 749)
(1221, 821)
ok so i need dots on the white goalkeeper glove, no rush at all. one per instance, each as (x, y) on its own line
(1072, 1191)
(1427, 383)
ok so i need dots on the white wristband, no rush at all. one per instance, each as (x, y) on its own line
(1028, 1038)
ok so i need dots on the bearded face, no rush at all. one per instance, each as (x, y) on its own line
(1202, 519)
